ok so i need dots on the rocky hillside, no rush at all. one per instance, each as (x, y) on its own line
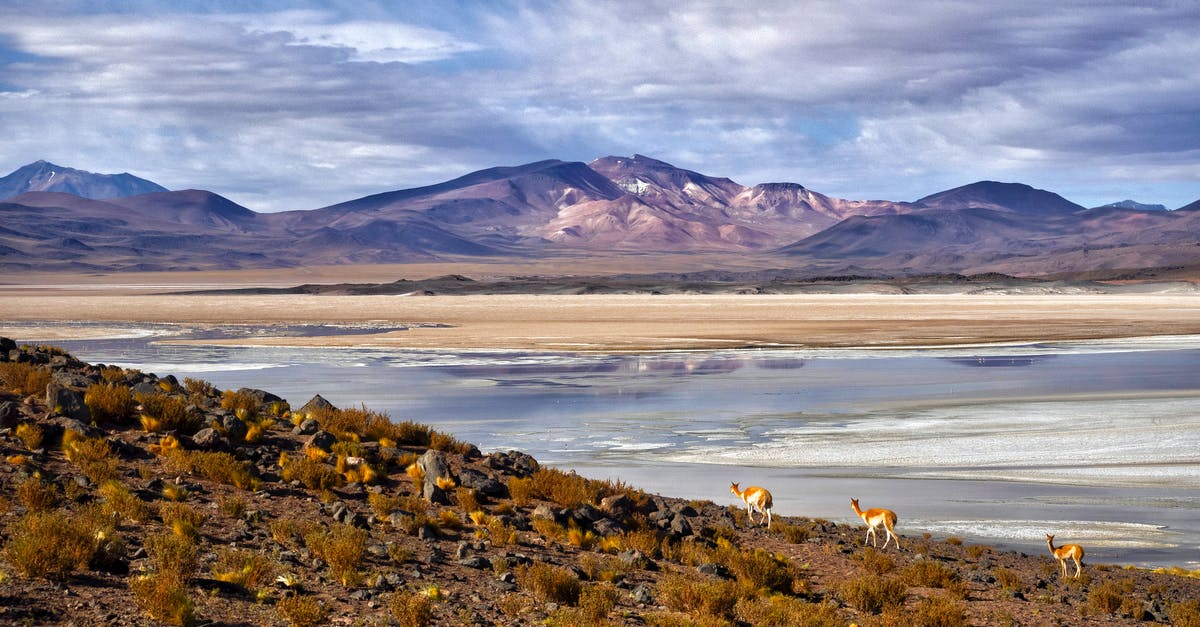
(128, 498)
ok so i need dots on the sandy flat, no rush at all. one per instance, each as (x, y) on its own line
(633, 322)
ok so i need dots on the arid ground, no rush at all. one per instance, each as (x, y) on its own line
(636, 322)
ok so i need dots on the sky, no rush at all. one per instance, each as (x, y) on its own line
(299, 105)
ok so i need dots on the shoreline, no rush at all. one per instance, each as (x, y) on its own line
(636, 323)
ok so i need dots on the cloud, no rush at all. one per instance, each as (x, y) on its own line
(289, 109)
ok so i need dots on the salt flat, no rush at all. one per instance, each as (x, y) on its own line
(633, 322)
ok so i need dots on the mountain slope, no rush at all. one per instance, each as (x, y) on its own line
(42, 176)
(615, 206)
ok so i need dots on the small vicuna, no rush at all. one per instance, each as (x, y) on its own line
(756, 498)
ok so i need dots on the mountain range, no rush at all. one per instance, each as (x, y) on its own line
(61, 219)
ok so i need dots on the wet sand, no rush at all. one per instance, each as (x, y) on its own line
(620, 323)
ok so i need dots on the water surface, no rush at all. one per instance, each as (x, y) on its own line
(1096, 442)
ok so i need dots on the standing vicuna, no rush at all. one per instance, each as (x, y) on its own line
(1066, 552)
(875, 517)
(756, 498)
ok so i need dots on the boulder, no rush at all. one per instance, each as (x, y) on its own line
(67, 402)
(315, 403)
(323, 440)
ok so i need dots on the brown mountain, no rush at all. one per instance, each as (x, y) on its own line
(621, 205)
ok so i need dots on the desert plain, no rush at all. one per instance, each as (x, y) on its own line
(592, 322)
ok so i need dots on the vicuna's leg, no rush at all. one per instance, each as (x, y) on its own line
(891, 536)
(1063, 563)
(768, 518)
(1078, 567)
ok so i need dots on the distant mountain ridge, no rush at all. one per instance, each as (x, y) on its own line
(612, 206)
(43, 176)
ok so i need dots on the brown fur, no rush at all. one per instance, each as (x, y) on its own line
(1066, 552)
(875, 517)
(756, 498)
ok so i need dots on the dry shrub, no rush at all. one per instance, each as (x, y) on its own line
(214, 466)
(121, 503)
(872, 593)
(648, 541)
(411, 609)
(301, 611)
(163, 598)
(549, 583)
(699, 597)
(183, 519)
(314, 475)
(954, 541)
(382, 504)
(399, 553)
(247, 568)
(501, 533)
(197, 389)
(289, 531)
(596, 602)
(1109, 596)
(784, 611)
(110, 402)
(37, 495)
(602, 567)
(930, 574)
(520, 490)
(30, 435)
(50, 545)
(875, 561)
(231, 507)
(939, 611)
(795, 534)
(975, 551)
(1009, 580)
(24, 378)
(762, 570)
(1185, 613)
(467, 499)
(566, 489)
(242, 403)
(166, 412)
(113, 374)
(341, 547)
(93, 456)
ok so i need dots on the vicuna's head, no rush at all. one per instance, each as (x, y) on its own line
(1049, 538)
(733, 488)
(854, 503)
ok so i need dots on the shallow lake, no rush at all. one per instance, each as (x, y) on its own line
(1096, 442)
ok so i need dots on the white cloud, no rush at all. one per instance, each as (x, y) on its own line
(304, 108)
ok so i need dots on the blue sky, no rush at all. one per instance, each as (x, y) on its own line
(298, 105)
